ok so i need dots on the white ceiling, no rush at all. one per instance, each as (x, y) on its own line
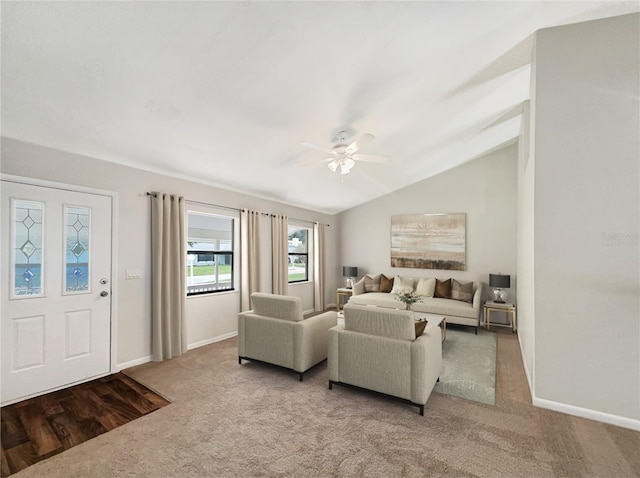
(225, 92)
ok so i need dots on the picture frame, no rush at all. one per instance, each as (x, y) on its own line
(429, 241)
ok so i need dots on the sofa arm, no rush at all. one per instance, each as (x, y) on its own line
(242, 316)
(332, 353)
(426, 363)
(310, 339)
(358, 287)
(477, 298)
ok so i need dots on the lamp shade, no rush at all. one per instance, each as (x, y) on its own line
(499, 281)
(349, 271)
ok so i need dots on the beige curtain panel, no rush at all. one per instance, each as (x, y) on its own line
(250, 259)
(168, 281)
(318, 265)
(280, 254)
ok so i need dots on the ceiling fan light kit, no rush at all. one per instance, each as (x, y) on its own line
(345, 165)
(343, 156)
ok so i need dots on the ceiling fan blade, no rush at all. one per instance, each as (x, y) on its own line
(371, 158)
(315, 161)
(359, 143)
(319, 148)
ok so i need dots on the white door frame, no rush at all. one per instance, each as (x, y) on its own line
(114, 253)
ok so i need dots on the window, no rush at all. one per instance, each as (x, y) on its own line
(209, 253)
(298, 254)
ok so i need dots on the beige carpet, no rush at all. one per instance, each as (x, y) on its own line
(253, 420)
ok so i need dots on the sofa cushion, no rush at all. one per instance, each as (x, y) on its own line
(378, 299)
(277, 306)
(446, 307)
(372, 284)
(402, 284)
(460, 291)
(443, 289)
(426, 287)
(386, 284)
(395, 324)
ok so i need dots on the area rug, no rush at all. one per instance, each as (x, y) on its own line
(38, 428)
(469, 365)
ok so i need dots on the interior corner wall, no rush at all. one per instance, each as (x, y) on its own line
(587, 215)
(209, 317)
(484, 189)
(525, 241)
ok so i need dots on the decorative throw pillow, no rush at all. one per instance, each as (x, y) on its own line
(420, 326)
(426, 287)
(371, 284)
(443, 289)
(386, 284)
(463, 292)
(402, 284)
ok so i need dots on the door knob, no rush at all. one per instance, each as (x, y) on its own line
(104, 293)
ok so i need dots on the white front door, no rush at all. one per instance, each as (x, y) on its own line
(56, 288)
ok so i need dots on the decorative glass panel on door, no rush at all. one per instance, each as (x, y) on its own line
(77, 257)
(27, 268)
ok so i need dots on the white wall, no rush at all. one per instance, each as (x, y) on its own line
(526, 234)
(209, 317)
(484, 189)
(587, 208)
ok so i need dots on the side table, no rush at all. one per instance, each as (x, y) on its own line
(509, 309)
(343, 292)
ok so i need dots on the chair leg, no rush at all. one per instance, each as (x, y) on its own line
(476, 330)
(301, 377)
(240, 360)
(330, 385)
(438, 379)
(422, 410)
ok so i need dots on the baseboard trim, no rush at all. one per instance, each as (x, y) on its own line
(587, 413)
(195, 345)
(526, 369)
(212, 340)
(133, 363)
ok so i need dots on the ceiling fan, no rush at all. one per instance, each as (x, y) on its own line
(343, 156)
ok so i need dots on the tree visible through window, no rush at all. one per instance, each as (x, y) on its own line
(298, 241)
(209, 253)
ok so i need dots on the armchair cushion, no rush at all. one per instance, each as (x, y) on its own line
(277, 306)
(395, 324)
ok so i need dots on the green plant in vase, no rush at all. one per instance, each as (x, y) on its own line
(408, 298)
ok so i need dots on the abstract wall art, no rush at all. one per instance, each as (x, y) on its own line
(429, 241)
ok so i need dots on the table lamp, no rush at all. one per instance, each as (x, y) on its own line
(499, 282)
(350, 274)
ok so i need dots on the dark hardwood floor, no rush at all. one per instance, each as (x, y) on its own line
(37, 428)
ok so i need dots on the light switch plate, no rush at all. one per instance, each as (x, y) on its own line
(133, 274)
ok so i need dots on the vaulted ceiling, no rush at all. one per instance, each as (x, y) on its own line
(225, 92)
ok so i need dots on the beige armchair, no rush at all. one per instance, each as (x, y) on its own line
(377, 349)
(275, 332)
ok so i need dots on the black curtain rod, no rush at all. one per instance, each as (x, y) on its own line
(205, 203)
(238, 209)
(292, 218)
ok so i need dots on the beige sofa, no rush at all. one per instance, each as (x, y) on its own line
(455, 311)
(275, 332)
(376, 349)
